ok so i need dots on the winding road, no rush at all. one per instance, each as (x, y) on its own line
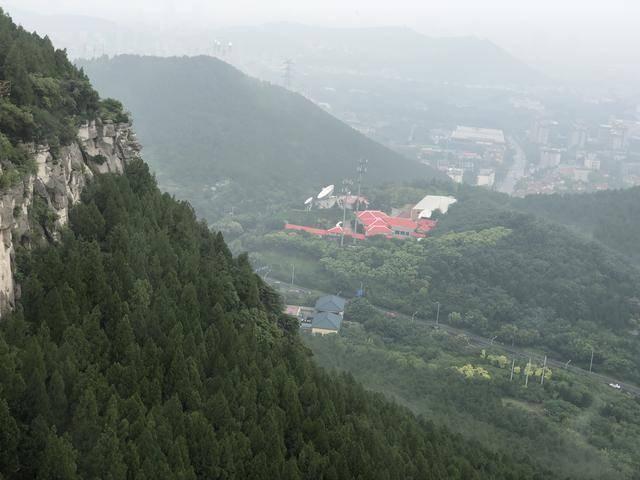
(517, 170)
(478, 340)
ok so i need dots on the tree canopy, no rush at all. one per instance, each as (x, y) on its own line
(142, 349)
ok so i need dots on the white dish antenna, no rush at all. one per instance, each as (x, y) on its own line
(308, 201)
(339, 224)
(326, 191)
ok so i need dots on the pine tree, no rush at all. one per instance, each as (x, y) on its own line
(58, 459)
(9, 440)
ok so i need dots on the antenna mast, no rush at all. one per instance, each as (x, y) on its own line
(362, 169)
(346, 191)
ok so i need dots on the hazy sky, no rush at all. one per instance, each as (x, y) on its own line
(456, 16)
(543, 31)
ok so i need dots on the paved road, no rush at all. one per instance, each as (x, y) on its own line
(486, 342)
(517, 170)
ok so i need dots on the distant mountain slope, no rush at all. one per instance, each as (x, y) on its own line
(611, 217)
(204, 123)
(392, 51)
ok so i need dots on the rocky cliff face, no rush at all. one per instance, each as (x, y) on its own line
(39, 205)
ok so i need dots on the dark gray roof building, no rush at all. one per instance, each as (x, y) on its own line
(331, 303)
(327, 321)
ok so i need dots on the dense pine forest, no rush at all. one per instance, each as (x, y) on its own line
(143, 349)
(610, 217)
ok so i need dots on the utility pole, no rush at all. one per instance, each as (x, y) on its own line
(513, 365)
(293, 273)
(346, 190)
(544, 367)
(438, 316)
(591, 363)
(362, 169)
(526, 378)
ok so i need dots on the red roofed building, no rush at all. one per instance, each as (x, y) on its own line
(302, 228)
(425, 225)
(332, 232)
(376, 222)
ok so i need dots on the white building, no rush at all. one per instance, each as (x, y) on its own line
(486, 177)
(456, 174)
(481, 135)
(429, 204)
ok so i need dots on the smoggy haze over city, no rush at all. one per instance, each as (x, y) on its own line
(566, 39)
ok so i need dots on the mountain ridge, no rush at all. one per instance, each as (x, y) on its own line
(218, 125)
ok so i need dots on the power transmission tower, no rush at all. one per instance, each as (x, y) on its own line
(5, 88)
(287, 73)
(346, 190)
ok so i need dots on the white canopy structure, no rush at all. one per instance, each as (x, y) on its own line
(429, 204)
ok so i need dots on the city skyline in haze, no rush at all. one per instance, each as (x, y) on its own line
(578, 36)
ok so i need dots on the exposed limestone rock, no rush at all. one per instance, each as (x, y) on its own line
(58, 182)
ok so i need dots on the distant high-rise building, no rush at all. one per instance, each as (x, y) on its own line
(550, 157)
(541, 131)
(617, 140)
(619, 136)
(604, 134)
(578, 136)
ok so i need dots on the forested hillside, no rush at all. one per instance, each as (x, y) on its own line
(611, 217)
(142, 349)
(494, 270)
(576, 426)
(226, 141)
(44, 98)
